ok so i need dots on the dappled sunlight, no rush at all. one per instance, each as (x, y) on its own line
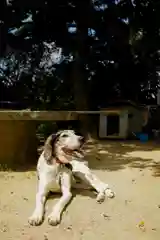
(117, 155)
(150, 159)
(88, 150)
(155, 154)
(102, 151)
(114, 156)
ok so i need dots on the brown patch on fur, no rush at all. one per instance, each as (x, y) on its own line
(54, 153)
(49, 153)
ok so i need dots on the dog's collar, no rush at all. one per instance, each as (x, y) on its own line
(58, 161)
(68, 165)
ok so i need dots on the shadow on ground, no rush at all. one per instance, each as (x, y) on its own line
(116, 155)
(112, 156)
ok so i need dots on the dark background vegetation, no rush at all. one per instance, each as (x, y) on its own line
(70, 54)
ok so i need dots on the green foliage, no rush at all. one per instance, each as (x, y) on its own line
(115, 42)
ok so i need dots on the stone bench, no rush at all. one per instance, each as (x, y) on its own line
(18, 142)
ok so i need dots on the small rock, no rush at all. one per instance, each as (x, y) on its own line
(156, 162)
(4, 229)
(127, 201)
(98, 158)
(142, 226)
(69, 228)
(159, 206)
(107, 217)
(45, 237)
(154, 229)
(24, 198)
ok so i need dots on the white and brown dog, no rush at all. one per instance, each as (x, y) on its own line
(62, 159)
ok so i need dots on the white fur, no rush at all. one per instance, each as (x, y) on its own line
(57, 177)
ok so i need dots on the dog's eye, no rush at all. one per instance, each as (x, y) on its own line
(64, 135)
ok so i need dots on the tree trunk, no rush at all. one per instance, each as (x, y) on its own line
(80, 54)
(79, 84)
(79, 81)
(80, 94)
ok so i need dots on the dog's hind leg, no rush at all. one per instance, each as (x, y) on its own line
(83, 172)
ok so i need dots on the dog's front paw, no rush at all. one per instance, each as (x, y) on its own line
(109, 193)
(36, 219)
(103, 194)
(101, 197)
(54, 219)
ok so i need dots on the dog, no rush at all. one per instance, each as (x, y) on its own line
(61, 161)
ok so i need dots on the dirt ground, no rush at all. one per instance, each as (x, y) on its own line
(133, 171)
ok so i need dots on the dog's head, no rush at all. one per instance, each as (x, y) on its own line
(63, 146)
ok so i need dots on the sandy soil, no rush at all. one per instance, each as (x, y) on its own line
(132, 169)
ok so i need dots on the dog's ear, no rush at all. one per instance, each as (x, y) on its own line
(49, 147)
